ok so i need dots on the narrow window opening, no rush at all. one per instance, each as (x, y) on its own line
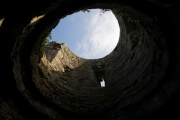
(99, 70)
(102, 83)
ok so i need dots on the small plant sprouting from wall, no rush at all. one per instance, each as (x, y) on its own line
(85, 10)
(45, 41)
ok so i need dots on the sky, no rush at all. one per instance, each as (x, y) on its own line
(89, 35)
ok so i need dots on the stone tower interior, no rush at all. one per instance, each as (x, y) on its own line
(142, 73)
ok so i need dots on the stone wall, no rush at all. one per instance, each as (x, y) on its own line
(76, 83)
(141, 74)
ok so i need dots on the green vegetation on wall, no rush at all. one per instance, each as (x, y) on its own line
(45, 41)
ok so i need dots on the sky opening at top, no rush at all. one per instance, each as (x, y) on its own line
(89, 35)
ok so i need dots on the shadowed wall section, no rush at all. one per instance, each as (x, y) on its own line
(50, 82)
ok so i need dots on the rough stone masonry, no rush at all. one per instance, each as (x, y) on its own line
(50, 82)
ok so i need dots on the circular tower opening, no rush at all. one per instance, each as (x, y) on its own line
(90, 34)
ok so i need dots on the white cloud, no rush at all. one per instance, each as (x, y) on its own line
(101, 37)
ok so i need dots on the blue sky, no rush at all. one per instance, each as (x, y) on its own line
(90, 35)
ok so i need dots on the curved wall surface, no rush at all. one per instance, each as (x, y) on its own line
(50, 82)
